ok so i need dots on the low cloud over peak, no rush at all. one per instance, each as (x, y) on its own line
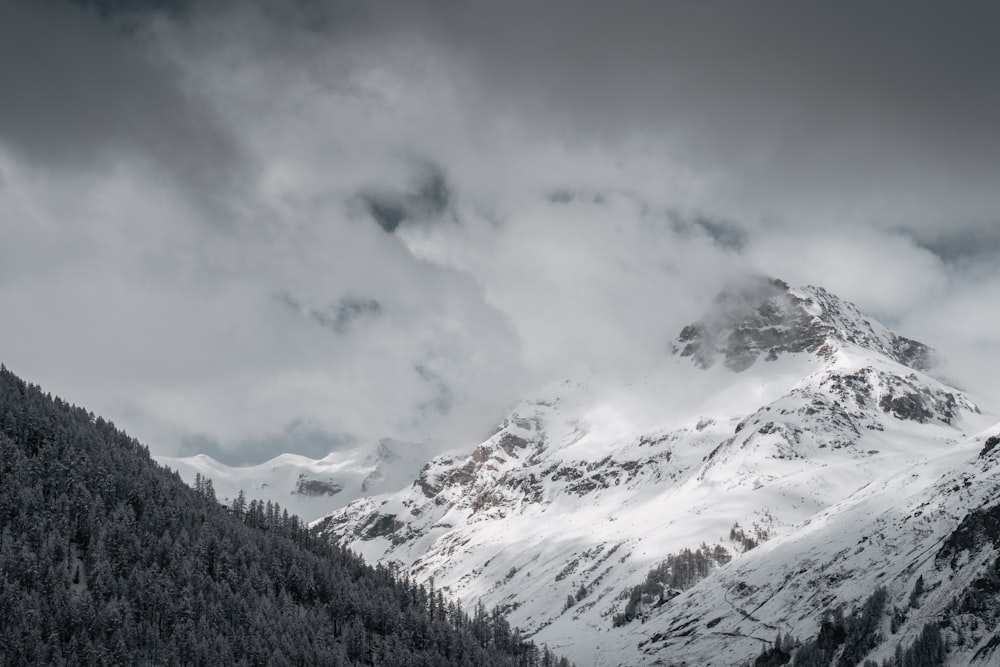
(463, 201)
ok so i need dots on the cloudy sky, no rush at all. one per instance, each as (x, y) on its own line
(261, 226)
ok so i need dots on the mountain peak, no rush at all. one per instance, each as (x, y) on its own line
(765, 317)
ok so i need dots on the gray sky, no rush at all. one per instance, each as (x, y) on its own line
(265, 226)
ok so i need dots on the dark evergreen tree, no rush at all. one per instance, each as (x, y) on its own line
(108, 559)
(927, 650)
(849, 639)
(918, 590)
(676, 572)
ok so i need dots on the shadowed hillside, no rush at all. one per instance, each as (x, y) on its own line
(106, 558)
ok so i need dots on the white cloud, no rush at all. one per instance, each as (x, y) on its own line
(884, 273)
(184, 278)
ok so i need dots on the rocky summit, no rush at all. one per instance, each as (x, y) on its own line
(772, 490)
(765, 318)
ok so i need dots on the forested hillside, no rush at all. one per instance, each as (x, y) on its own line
(106, 558)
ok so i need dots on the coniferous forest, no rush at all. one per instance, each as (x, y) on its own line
(107, 558)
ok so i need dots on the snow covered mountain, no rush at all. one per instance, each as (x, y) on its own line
(617, 523)
(928, 534)
(310, 488)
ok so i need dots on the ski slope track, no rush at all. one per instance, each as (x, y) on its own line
(808, 449)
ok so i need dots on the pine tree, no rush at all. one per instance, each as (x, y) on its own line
(240, 504)
(209, 490)
(110, 559)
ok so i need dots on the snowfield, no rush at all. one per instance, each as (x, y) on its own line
(785, 458)
(310, 488)
(785, 418)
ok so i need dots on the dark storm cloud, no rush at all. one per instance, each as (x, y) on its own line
(462, 201)
(783, 67)
(80, 92)
(963, 247)
(869, 110)
(429, 198)
(813, 103)
(119, 8)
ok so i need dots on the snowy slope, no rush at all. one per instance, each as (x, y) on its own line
(309, 487)
(937, 520)
(773, 409)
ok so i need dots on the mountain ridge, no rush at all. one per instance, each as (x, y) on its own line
(572, 502)
(310, 487)
(109, 559)
(764, 315)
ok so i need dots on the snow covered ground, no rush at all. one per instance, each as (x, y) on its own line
(310, 488)
(778, 414)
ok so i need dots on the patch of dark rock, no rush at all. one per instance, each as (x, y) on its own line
(569, 569)
(380, 525)
(979, 528)
(429, 490)
(989, 584)
(461, 476)
(509, 442)
(587, 485)
(529, 486)
(567, 472)
(907, 406)
(991, 443)
(648, 440)
(690, 333)
(988, 648)
(481, 454)
(675, 631)
(317, 487)
(743, 589)
(912, 353)
(508, 607)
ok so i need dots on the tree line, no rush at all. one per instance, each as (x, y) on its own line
(845, 640)
(674, 573)
(107, 558)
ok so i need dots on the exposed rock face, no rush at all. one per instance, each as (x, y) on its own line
(979, 529)
(570, 498)
(926, 537)
(989, 446)
(380, 525)
(766, 318)
(317, 487)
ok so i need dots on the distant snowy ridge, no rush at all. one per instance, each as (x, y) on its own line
(309, 487)
(585, 487)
